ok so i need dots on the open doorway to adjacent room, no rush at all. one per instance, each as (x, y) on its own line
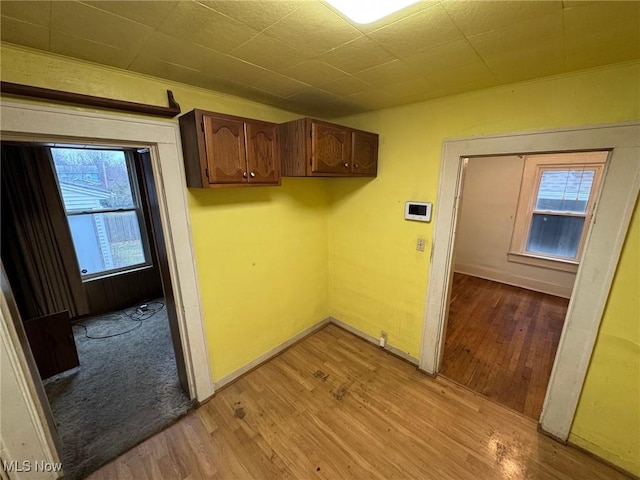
(86, 259)
(520, 234)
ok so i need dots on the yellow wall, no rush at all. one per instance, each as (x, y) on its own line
(377, 280)
(261, 252)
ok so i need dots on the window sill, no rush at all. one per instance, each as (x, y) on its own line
(563, 265)
(115, 273)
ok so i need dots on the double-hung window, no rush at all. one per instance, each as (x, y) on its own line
(556, 203)
(102, 202)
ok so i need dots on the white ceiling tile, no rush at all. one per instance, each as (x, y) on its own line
(24, 33)
(196, 23)
(136, 10)
(313, 29)
(253, 12)
(422, 31)
(357, 55)
(473, 17)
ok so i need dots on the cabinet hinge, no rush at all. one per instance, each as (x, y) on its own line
(206, 171)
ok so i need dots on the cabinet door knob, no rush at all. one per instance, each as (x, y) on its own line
(346, 165)
(244, 174)
(252, 174)
(355, 165)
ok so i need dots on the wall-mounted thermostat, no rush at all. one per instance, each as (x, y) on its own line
(420, 211)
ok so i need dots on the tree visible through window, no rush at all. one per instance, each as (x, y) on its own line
(102, 203)
(557, 198)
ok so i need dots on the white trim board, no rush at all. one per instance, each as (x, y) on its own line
(370, 338)
(301, 336)
(605, 238)
(514, 280)
(35, 122)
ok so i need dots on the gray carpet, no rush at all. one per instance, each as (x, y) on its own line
(125, 389)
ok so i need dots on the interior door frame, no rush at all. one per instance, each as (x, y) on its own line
(34, 122)
(606, 235)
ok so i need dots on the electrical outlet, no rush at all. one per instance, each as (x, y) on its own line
(420, 244)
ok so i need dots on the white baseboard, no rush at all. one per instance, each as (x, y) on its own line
(374, 340)
(265, 357)
(270, 354)
(515, 280)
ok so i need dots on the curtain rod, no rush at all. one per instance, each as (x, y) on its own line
(89, 100)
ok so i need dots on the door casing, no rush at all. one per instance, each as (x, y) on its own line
(618, 195)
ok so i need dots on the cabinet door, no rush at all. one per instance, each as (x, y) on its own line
(226, 159)
(330, 149)
(365, 154)
(262, 152)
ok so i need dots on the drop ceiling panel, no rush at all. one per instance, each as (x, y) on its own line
(138, 11)
(279, 85)
(426, 29)
(302, 56)
(253, 13)
(314, 72)
(161, 46)
(268, 52)
(346, 86)
(94, 25)
(358, 55)
(24, 33)
(313, 29)
(389, 73)
(64, 44)
(473, 17)
(596, 35)
(198, 24)
(38, 13)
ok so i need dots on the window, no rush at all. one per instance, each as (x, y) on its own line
(557, 198)
(102, 203)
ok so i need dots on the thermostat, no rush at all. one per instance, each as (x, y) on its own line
(420, 211)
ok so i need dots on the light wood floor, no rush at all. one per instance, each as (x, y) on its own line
(336, 407)
(501, 341)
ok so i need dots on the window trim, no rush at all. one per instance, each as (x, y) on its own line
(534, 165)
(137, 208)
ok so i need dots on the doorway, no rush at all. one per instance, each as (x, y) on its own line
(602, 249)
(520, 236)
(29, 413)
(81, 253)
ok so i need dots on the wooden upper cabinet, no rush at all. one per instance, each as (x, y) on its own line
(224, 150)
(313, 148)
(263, 154)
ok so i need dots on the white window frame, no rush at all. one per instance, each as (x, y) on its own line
(137, 208)
(534, 166)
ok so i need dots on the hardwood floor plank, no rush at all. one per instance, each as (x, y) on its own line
(335, 406)
(501, 341)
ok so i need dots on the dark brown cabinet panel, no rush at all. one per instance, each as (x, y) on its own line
(330, 149)
(313, 148)
(263, 155)
(364, 158)
(224, 150)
